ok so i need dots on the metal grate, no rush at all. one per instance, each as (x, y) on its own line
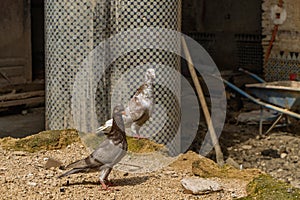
(75, 28)
(249, 50)
(207, 40)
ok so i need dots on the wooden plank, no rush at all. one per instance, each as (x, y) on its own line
(29, 101)
(23, 95)
(22, 88)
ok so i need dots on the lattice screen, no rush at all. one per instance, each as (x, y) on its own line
(75, 28)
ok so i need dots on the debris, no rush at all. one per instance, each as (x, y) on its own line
(200, 185)
(253, 117)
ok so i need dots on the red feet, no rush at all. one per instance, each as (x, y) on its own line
(105, 186)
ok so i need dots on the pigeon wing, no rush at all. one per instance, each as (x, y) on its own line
(109, 153)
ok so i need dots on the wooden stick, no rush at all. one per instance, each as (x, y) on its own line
(219, 154)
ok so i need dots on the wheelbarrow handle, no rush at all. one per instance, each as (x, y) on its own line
(259, 102)
(252, 75)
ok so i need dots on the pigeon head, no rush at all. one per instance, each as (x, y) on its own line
(150, 74)
(118, 109)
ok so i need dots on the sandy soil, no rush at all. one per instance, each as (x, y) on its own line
(23, 176)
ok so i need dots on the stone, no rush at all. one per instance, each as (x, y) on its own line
(283, 155)
(197, 186)
(247, 147)
(32, 184)
(52, 163)
(232, 163)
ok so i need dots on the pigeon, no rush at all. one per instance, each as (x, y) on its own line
(140, 107)
(109, 152)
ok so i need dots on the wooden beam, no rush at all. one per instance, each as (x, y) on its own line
(24, 95)
(219, 154)
(33, 100)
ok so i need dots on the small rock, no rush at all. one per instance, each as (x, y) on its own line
(52, 163)
(232, 163)
(200, 185)
(295, 184)
(283, 155)
(247, 147)
(289, 179)
(294, 159)
(62, 189)
(49, 176)
(3, 180)
(45, 159)
(24, 112)
(271, 153)
(32, 184)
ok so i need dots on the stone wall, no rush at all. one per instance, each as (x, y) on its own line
(284, 58)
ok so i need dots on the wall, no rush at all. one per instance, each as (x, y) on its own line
(284, 58)
(15, 43)
(230, 30)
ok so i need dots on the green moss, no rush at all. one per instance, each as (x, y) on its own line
(265, 187)
(142, 145)
(58, 139)
(44, 140)
(207, 168)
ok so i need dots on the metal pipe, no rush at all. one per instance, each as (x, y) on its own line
(252, 75)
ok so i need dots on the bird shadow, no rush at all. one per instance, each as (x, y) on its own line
(131, 181)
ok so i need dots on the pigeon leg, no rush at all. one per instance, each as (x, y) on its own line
(104, 186)
(103, 176)
(135, 131)
(106, 178)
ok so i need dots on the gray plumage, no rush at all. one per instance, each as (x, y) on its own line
(140, 107)
(109, 152)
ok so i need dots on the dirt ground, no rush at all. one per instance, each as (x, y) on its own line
(23, 175)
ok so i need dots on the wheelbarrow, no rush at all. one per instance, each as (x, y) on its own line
(280, 96)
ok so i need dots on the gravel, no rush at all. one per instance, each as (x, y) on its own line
(24, 176)
(277, 154)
